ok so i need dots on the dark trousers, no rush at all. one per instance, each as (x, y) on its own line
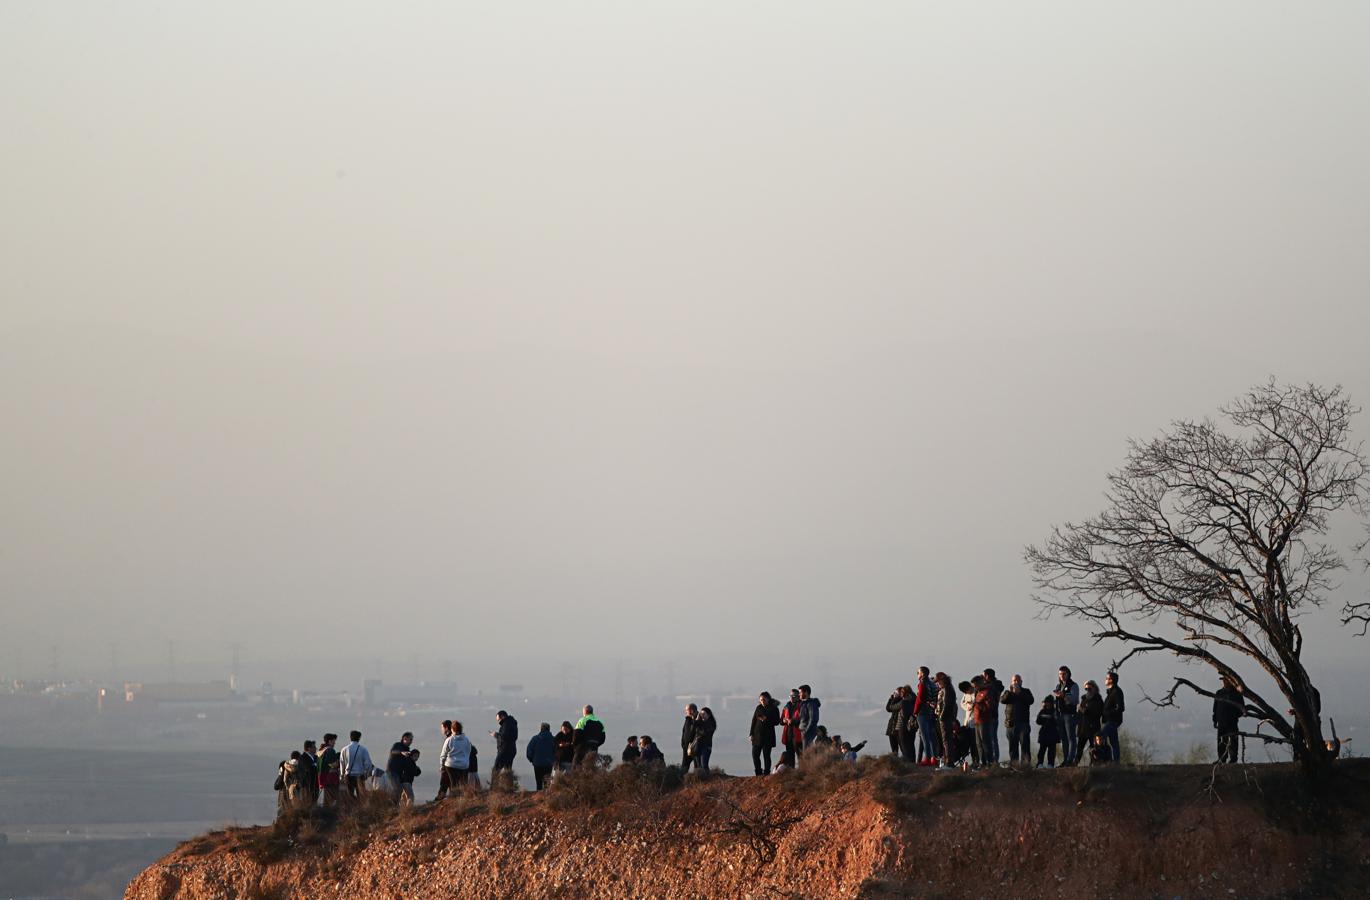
(685, 761)
(1115, 746)
(356, 785)
(894, 743)
(444, 782)
(908, 744)
(1048, 751)
(541, 774)
(1227, 747)
(984, 741)
(1020, 742)
(760, 753)
(949, 754)
(504, 759)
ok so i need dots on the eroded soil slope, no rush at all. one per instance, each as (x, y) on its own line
(880, 830)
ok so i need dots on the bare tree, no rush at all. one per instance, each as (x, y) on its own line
(1211, 548)
(1358, 613)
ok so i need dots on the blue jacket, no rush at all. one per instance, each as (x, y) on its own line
(542, 750)
(808, 719)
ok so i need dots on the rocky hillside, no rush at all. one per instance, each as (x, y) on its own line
(879, 830)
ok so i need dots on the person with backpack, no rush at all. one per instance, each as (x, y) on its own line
(1113, 716)
(687, 736)
(288, 786)
(764, 719)
(330, 770)
(456, 757)
(542, 754)
(1048, 733)
(565, 741)
(397, 765)
(947, 705)
(356, 766)
(1067, 696)
(1019, 706)
(590, 736)
(473, 769)
(506, 742)
(1091, 719)
(790, 734)
(703, 746)
(924, 711)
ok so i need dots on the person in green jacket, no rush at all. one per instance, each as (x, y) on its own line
(590, 735)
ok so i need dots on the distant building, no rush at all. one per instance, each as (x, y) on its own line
(179, 692)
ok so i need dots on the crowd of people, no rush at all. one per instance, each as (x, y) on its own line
(937, 723)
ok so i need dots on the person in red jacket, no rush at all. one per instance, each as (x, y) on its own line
(924, 711)
(986, 720)
(791, 735)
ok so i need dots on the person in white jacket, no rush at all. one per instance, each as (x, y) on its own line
(456, 756)
(355, 763)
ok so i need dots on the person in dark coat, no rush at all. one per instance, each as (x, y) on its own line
(1048, 733)
(1091, 717)
(687, 736)
(948, 705)
(892, 706)
(703, 747)
(506, 742)
(908, 723)
(1228, 707)
(764, 719)
(1114, 706)
(309, 766)
(565, 741)
(651, 753)
(542, 754)
(631, 752)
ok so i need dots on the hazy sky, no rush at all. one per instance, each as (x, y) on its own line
(739, 334)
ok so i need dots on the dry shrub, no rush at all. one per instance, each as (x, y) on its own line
(595, 787)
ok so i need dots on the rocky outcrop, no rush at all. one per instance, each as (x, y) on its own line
(881, 831)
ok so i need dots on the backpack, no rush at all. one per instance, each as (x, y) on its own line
(594, 732)
(280, 776)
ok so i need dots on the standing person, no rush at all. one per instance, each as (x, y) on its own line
(985, 724)
(808, 714)
(1048, 733)
(631, 752)
(330, 770)
(947, 706)
(687, 737)
(651, 753)
(967, 690)
(289, 789)
(705, 727)
(309, 774)
(1113, 716)
(589, 736)
(565, 741)
(456, 756)
(444, 777)
(356, 765)
(924, 711)
(893, 706)
(398, 764)
(764, 719)
(1018, 705)
(506, 743)
(473, 769)
(1091, 717)
(1067, 695)
(542, 754)
(908, 723)
(790, 734)
(408, 773)
(1228, 708)
(996, 691)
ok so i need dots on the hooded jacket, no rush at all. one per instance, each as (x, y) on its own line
(506, 737)
(808, 719)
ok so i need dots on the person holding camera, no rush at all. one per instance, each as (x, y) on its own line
(1067, 697)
